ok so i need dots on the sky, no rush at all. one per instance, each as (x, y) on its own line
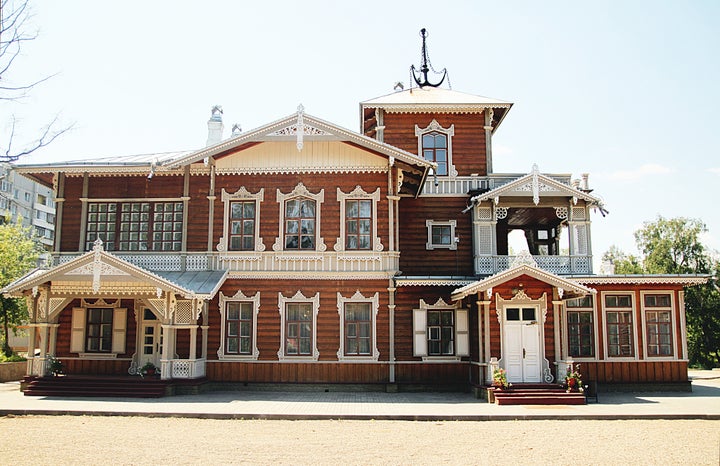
(626, 91)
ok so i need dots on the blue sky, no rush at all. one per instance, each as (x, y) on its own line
(624, 90)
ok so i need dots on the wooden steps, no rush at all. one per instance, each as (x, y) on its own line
(95, 386)
(538, 394)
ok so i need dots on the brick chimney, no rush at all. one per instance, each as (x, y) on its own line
(215, 126)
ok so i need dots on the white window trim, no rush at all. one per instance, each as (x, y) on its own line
(298, 298)
(430, 245)
(358, 193)
(462, 335)
(449, 132)
(607, 356)
(593, 309)
(239, 297)
(374, 307)
(241, 194)
(673, 329)
(300, 191)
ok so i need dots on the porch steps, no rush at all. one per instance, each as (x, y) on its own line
(538, 394)
(95, 386)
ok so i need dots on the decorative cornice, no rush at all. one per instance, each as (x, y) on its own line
(419, 281)
(688, 280)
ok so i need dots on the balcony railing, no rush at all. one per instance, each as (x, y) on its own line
(559, 265)
(462, 185)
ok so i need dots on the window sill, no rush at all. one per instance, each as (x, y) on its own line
(441, 358)
(235, 357)
(97, 355)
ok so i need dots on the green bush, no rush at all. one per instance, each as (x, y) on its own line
(11, 358)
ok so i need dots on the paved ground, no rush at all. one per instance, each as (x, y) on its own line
(702, 403)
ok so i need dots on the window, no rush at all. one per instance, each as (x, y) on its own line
(238, 315)
(300, 220)
(300, 224)
(441, 235)
(41, 199)
(358, 231)
(99, 330)
(440, 330)
(27, 197)
(298, 316)
(135, 226)
(242, 226)
(5, 186)
(435, 145)
(580, 327)
(619, 324)
(657, 309)
(357, 327)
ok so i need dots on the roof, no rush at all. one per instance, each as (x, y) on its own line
(98, 266)
(538, 185)
(433, 97)
(668, 279)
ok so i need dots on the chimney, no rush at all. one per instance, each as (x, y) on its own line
(215, 126)
(584, 184)
(236, 130)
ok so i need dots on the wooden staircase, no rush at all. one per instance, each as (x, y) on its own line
(538, 394)
(95, 386)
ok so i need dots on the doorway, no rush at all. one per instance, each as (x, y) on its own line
(521, 344)
(150, 339)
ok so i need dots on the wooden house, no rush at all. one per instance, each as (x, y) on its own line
(301, 252)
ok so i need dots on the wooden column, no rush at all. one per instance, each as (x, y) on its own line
(391, 330)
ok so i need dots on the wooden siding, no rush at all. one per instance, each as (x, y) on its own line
(269, 372)
(415, 259)
(634, 371)
(434, 373)
(468, 144)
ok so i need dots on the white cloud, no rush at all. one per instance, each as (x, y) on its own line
(715, 170)
(499, 149)
(649, 169)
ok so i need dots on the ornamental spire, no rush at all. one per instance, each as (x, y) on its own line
(425, 66)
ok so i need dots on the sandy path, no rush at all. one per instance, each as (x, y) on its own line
(136, 440)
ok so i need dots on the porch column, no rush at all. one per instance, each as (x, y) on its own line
(52, 347)
(193, 342)
(32, 336)
(165, 358)
(391, 324)
(560, 347)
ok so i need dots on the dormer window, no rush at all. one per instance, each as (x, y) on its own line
(435, 145)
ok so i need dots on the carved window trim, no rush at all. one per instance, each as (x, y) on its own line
(282, 304)
(238, 297)
(671, 310)
(242, 194)
(300, 191)
(358, 194)
(633, 324)
(430, 245)
(461, 331)
(434, 126)
(374, 302)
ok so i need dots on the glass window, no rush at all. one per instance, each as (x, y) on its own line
(580, 327)
(242, 226)
(441, 332)
(435, 149)
(358, 224)
(99, 330)
(300, 224)
(298, 329)
(619, 325)
(238, 327)
(358, 329)
(658, 324)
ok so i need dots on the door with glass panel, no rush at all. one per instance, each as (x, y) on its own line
(521, 344)
(150, 339)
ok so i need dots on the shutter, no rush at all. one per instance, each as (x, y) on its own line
(462, 337)
(77, 332)
(119, 326)
(419, 332)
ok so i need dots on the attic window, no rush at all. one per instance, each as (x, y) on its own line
(435, 145)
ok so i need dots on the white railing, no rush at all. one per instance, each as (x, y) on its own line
(187, 368)
(559, 265)
(462, 185)
(262, 262)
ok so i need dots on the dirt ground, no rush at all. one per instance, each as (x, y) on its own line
(40, 440)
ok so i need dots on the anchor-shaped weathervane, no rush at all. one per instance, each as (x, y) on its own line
(424, 68)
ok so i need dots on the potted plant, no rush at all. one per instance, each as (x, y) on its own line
(500, 380)
(55, 366)
(148, 369)
(573, 379)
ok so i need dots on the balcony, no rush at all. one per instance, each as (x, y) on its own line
(462, 185)
(559, 265)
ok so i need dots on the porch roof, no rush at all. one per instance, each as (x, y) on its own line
(514, 272)
(203, 283)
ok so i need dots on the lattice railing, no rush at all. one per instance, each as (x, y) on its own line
(461, 185)
(188, 368)
(559, 265)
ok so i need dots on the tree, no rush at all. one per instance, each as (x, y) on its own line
(673, 246)
(18, 255)
(14, 33)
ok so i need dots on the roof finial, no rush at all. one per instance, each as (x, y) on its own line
(425, 66)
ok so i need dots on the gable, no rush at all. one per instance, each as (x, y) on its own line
(282, 156)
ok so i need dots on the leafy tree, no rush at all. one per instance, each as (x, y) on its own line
(673, 246)
(18, 255)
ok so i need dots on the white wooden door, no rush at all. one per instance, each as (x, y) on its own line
(150, 339)
(521, 342)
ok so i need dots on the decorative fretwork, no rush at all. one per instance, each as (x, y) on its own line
(559, 265)
(524, 258)
(484, 213)
(196, 262)
(485, 239)
(561, 212)
(501, 212)
(578, 213)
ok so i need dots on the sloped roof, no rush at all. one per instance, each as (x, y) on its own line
(535, 182)
(101, 265)
(643, 279)
(516, 271)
